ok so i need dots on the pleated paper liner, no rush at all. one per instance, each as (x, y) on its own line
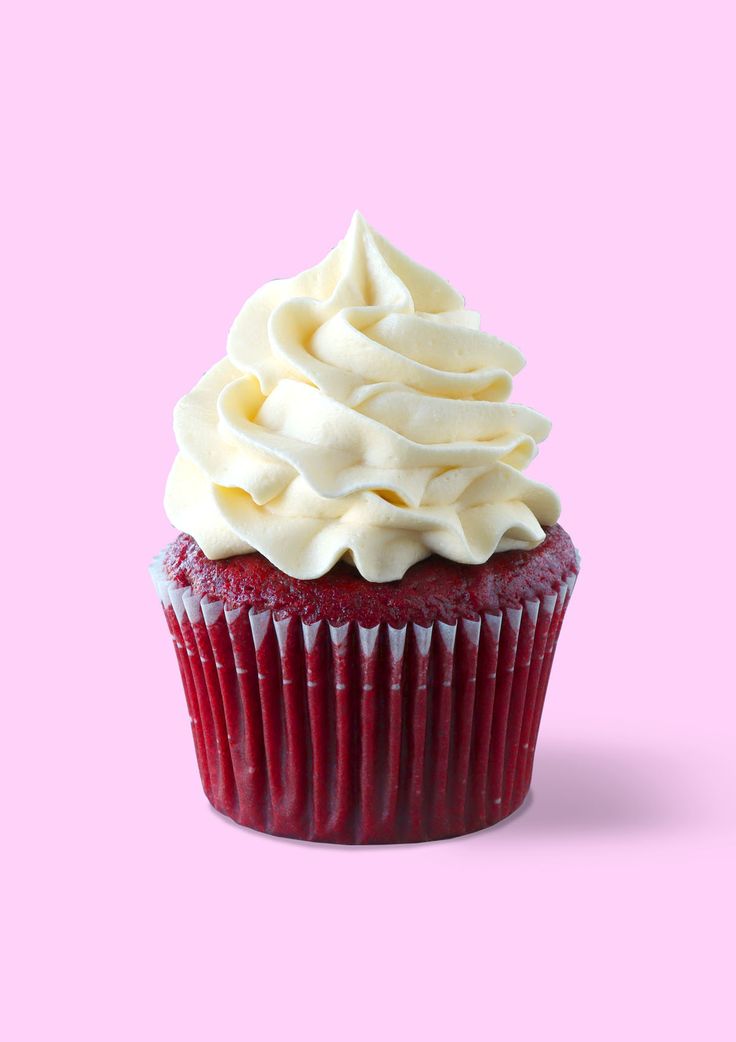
(353, 734)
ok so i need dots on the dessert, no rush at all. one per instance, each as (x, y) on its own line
(368, 590)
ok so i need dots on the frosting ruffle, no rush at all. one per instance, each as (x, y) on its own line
(360, 414)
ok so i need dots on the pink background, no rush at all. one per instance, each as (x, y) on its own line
(568, 167)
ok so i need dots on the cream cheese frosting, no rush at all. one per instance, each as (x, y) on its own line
(360, 414)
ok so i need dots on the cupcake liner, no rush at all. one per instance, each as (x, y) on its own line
(354, 734)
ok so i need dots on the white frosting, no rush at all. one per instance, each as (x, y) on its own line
(360, 414)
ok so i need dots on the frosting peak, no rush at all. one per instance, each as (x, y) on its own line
(360, 414)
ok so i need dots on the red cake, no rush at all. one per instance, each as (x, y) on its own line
(368, 590)
(353, 712)
(431, 591)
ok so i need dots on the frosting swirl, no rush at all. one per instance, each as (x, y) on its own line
(360, 414)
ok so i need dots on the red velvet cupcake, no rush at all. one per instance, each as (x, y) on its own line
(366, 609)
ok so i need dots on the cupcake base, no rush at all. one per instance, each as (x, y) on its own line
(359, 733)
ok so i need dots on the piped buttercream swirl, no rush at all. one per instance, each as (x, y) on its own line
(360, 414)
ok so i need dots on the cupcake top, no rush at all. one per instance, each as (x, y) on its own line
(360, 414)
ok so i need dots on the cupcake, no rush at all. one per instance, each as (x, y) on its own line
(367, 593)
